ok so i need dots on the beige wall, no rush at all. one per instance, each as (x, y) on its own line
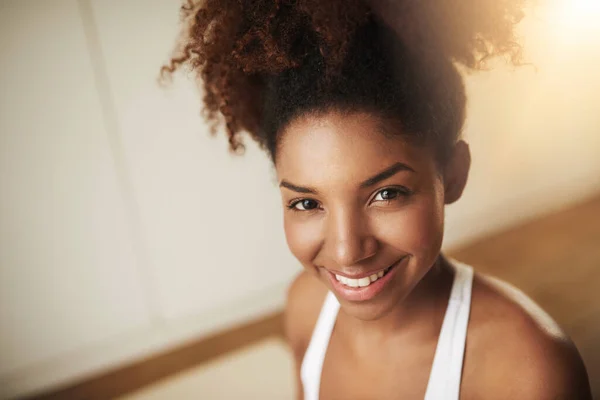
(125, 228)
(534, 131)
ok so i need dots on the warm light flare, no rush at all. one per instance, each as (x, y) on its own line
(576, 13)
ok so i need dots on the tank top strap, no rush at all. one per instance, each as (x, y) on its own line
(446, 372)
(312, 364)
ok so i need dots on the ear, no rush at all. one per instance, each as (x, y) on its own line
(457, 172)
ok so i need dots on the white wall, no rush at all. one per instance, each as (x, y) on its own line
(212, 221)
(68, 267)
(126, 229)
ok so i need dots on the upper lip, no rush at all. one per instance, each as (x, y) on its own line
(363, 274)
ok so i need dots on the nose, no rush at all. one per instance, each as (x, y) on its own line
(349, 238)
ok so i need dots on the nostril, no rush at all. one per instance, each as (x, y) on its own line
(349, 235)
(348, 253)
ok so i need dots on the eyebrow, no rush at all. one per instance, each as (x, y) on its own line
(381, 176)
(296, 188)
(386, 173)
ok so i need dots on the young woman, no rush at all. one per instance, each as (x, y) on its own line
(360, 106)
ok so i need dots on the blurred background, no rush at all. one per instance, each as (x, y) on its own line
(139, 259)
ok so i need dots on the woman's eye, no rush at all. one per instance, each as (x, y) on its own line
(305, 205)
(387, 194)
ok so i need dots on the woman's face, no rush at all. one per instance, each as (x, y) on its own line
(364, 212)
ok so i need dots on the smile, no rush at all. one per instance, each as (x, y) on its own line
(362, 282)
(364, 287)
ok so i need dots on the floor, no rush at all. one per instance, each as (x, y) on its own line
(556, 260)
(261, 371)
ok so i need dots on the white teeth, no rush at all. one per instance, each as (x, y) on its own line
(362, 282)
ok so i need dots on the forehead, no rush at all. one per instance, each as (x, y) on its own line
(346, 147)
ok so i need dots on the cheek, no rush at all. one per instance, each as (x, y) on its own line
(303, 238)
(428, 228)
(419, 228)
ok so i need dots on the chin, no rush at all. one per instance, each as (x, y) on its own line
(373, 309)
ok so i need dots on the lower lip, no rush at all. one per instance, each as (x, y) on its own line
(367, 292)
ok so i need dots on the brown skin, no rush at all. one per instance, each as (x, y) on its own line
(384, 348)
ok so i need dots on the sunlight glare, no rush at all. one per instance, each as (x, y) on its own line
(577, 13)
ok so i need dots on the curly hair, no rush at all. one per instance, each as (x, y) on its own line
(262, 63)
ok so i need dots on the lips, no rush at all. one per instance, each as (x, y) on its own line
(361, 282)
(365, 286)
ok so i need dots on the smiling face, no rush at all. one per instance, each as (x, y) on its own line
(363, 211)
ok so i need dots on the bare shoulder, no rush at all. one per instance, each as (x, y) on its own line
(516, 350)
(304, 301)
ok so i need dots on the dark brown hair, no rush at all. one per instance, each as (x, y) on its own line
(263, 63)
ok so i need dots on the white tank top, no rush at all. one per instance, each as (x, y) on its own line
(444, 380)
